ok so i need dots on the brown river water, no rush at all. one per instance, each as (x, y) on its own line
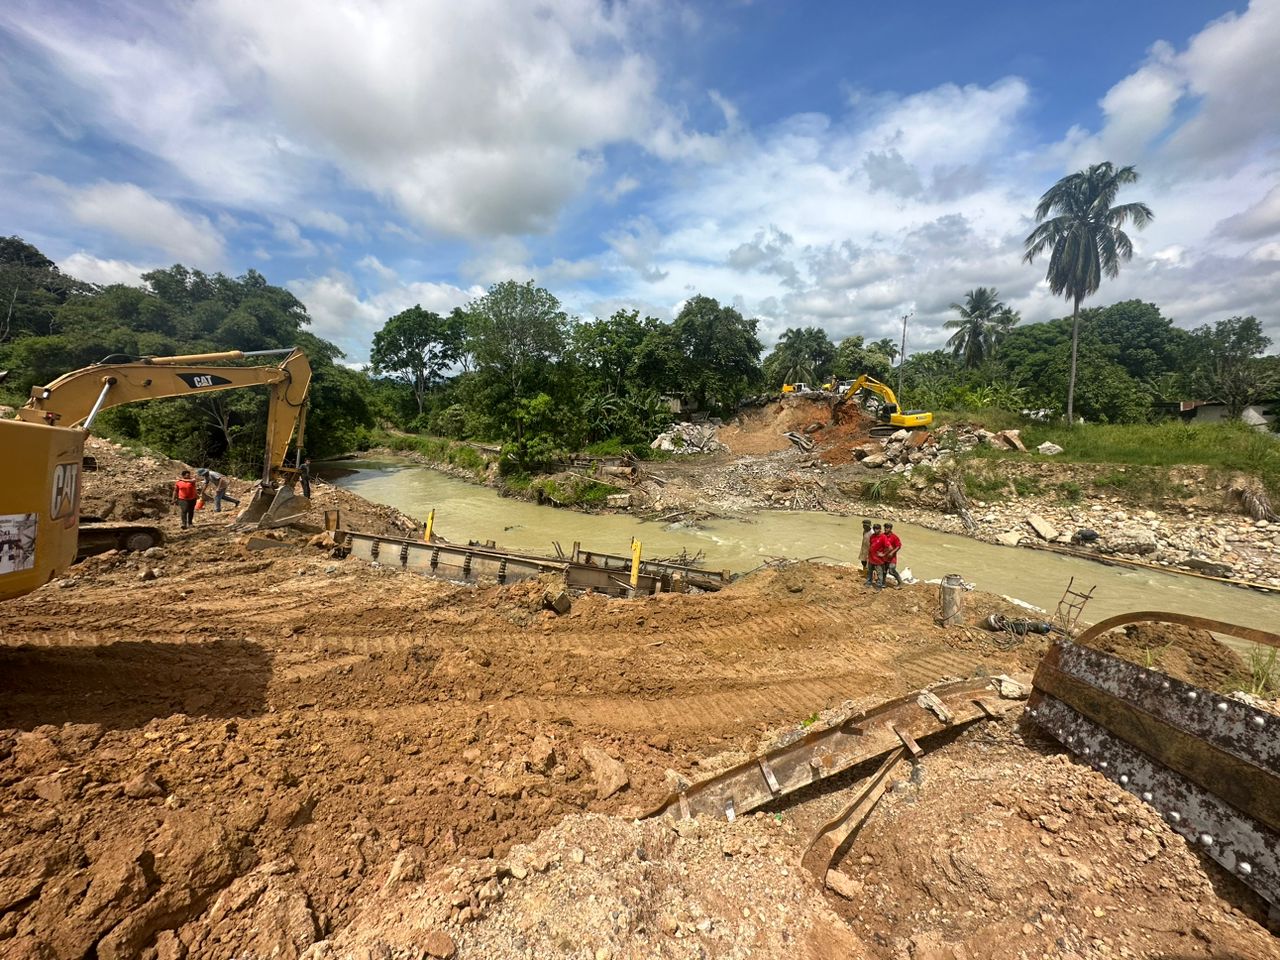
(465, 511)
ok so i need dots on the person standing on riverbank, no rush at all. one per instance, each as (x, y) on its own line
(874, 569)
(890, 546)
(865, 552)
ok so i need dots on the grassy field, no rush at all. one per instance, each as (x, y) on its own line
(1229, 447)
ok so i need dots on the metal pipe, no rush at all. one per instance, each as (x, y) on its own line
(97, 405)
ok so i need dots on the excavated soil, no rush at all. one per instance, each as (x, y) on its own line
(254, 749)
(760, 430)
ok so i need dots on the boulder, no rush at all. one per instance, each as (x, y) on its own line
(1130, 539)
(1011, 439)
(1010, 538)
(1049, 449)
(875, 460)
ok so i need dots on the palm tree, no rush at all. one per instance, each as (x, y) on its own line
(1002, 323)
(1085, 240)
(974, 338)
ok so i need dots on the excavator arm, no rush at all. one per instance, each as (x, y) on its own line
(78, 397)
(887, 410)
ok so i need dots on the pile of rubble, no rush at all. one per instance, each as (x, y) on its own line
(689, 438)
(905, 449)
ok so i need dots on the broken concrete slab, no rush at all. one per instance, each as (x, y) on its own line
(1010, 538)
(1043, 528)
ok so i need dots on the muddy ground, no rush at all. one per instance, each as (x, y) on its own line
(218, 752)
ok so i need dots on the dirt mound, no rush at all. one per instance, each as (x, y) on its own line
(761, 430)
(1193, 656)
(1044, 858)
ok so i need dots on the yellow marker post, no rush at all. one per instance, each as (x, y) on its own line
(431, 522)
(635, 564)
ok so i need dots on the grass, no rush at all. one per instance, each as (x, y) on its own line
(1263, 680)
(614, 447)
(571, 491)
(439, 449)
(884, 490)
(1222, 446)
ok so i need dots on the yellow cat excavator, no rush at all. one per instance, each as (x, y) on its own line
(42, 454)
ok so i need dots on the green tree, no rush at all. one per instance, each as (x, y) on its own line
(1231, 368)
(718, 354)
(855, 357)
(802, 354)
(416, 346)
(1085, 240)
(981, 316)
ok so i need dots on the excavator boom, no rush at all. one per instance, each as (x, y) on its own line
(41, 452)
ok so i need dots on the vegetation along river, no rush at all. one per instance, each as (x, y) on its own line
(465, 511)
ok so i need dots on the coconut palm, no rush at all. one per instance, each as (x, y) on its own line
(974, 337)
(1084, 239)
(1002, 323)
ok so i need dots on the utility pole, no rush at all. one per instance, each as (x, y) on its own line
(902, 356)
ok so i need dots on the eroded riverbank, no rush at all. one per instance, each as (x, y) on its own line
(466, 511)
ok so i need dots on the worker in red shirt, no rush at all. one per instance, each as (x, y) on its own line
(890, 545)
(876, 559)
(184, 495)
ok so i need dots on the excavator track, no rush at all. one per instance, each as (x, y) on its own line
(1210, 764)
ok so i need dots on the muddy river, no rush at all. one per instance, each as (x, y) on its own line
(465, 512)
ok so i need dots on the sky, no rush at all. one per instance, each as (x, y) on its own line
(833, 164)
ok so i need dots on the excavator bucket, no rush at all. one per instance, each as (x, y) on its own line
(270, 508)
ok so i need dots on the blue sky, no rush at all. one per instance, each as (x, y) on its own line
(830, 164)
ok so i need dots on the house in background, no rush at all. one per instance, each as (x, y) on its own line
(1258, 415)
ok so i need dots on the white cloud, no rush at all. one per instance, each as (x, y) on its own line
(133, 214)
(349, 316)
(85, 266)
(1260, 220)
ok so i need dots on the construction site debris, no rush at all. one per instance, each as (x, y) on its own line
(689, 438)
(1042, 527)
(1049, 449)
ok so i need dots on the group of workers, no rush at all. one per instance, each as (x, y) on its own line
(879, 554)
(189, 490)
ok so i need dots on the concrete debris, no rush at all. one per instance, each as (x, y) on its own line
(1010, 538)
(1043, 528)
(1049, 449)
(1131, 539)
(689, 438)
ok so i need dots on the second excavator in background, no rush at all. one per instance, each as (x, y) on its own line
(42, 454)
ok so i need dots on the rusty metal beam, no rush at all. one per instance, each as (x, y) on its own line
(471, 563)
(1265, 637)
(825, 847)
(1238, 843)
(824, 753)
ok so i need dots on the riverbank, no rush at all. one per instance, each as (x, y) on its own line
(1182, 518)
(248, 747)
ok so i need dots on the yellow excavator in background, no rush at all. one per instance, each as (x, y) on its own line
(879, 401)
(42, 455)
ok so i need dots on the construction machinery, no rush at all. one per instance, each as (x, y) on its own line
(880, 402)
(42, 454)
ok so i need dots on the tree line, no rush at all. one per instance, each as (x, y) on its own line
(513, 367)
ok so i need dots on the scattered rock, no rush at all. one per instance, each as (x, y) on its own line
(610, 775)
(843, 885)
(410, 864)
(542, 755)
(439, 944)
(1049, 449)
(143, 786)
(1010, 538)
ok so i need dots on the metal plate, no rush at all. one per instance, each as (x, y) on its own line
(1236, 841)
